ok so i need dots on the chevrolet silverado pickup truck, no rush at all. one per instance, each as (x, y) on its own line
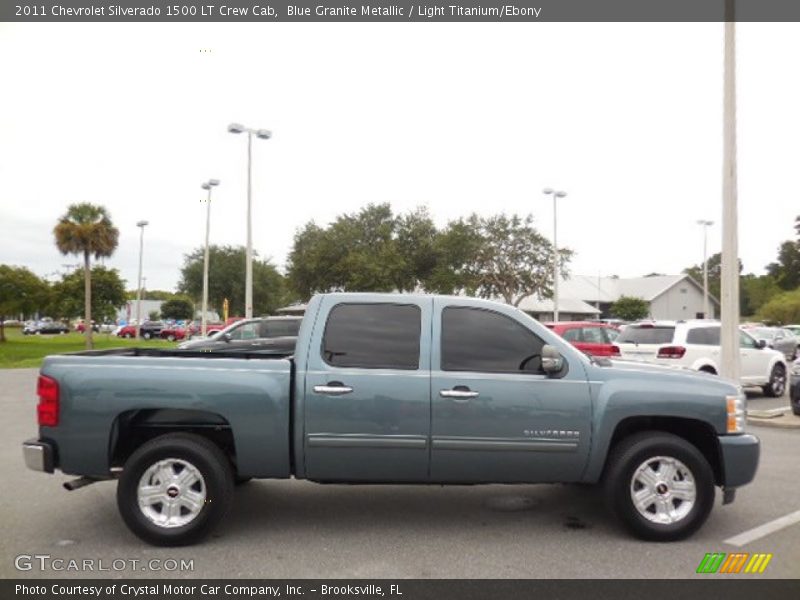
(391, 388)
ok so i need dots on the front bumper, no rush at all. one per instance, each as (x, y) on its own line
(740, 455)
(39, 456)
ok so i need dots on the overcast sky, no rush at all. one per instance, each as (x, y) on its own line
(458, 117)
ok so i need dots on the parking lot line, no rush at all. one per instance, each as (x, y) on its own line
(764, 530)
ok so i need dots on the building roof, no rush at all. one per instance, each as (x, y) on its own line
(609, 289)
(566, 304)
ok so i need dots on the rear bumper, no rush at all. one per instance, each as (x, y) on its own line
(39, 456)
(740, 455)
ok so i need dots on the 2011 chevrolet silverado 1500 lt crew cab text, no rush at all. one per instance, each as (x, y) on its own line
(392, 388)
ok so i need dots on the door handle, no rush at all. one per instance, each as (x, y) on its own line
(333, 389)
(459, 395)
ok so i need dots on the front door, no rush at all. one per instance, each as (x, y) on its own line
(496, 416)
(367, 392)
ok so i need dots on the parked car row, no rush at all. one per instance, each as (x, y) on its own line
(265, 333)
(766, 352)
(45, 325)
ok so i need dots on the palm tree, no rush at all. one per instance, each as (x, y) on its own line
(86, 229)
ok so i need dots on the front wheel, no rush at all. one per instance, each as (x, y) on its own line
(777, 382)
(170, 338)
(175, 489)
(146, 335)
(659, 485)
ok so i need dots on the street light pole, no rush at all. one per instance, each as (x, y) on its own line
(263, 134)
(206, 186)
(706, 225)
(141, 225)
(556, 195)
(729, 329)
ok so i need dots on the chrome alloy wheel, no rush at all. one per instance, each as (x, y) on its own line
(663, 490)
(778, 381)
(171, 493)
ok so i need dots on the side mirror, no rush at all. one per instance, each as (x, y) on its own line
(761, 343)
(227, 337)
(552, 361)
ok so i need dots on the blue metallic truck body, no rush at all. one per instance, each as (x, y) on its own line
(395, 427)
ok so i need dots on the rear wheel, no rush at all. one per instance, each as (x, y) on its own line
(127, 336)
(777, 382)
(659, 485)
(175, 489)
(171, 337)
(147, 335)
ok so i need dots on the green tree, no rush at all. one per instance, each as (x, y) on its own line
(86, 229)
(630, 308)
(178, 307)
(786, 271)
(756, 291)
(783, 308)
(357, 252)
(714, 273)
(108, 294)
(226, 279)
(513, 260)
(21, 291)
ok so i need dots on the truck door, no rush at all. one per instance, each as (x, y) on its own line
(496, 416)
(367, 392)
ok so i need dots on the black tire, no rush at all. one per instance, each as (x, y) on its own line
(127, 336)
(632, 452)
(203, 455)
(147, 335)
(777, 382)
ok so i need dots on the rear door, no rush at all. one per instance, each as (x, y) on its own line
(367, 392)
(496, 416)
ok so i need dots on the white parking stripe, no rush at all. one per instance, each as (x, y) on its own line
(764, 530)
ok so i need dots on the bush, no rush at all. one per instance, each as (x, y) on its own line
(783, 308)
(630, 308)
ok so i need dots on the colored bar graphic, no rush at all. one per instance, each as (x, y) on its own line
(719, 562)
(711, 562)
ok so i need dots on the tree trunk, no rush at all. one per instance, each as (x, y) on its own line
(87, 290)
(2, 329)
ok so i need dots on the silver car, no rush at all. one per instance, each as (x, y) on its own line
(777, 338)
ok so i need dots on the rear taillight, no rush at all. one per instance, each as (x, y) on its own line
(671, 352)
(47, 409)
(615, 351)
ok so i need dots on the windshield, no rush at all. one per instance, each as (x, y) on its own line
(646, 334)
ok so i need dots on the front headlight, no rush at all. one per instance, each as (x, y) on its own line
(736, 406)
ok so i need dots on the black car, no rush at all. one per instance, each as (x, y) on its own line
(265, 334)
(794, 387)
(151, 329)
(45, 326)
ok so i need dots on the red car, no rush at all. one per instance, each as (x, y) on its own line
(592, 338)
(178, 333)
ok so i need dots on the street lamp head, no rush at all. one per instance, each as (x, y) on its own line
(236, 128)
(213, 182)
(205, 186)
(142, 223)
(704, 222)
(547, 191)
(264, 134)
(560, 194)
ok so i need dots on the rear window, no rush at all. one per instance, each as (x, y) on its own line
(280, 328)
(646, 335)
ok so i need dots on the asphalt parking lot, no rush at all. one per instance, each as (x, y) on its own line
(288, 529)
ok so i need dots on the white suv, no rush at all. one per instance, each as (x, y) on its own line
(696, 345)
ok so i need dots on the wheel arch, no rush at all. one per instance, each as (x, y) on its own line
(698, 433)
(133, 428)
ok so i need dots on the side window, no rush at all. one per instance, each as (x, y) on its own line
(706, 336)
(248, 331)
(475, 339)
(611, 334)
(745, 341)
(373, 336)
(572, 335)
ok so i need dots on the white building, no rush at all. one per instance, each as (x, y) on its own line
(585, 297)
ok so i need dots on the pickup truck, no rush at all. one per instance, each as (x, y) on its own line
(392, 388)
